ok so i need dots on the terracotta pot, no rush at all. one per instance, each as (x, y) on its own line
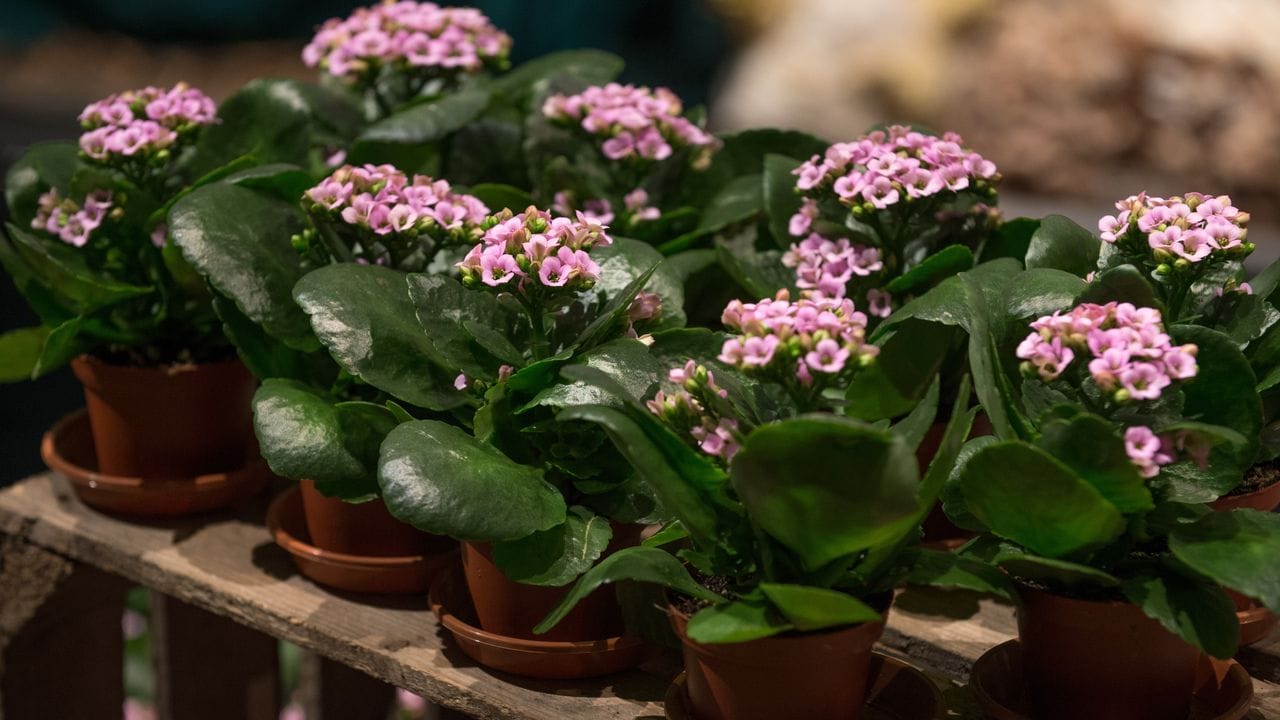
(1102, 660)
(169, 422)
(1265, 499)
(817, 676)
(938, 529)
(512, 609)
(365, 529)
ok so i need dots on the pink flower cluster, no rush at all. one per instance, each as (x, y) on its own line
(1190, 229)
(533, 249)
(811, 338)
(142, 122)
(72, 223)
(384, 200)
(410, 36)
(884, 168)
(826, 266)
(1129, 353)
(687, 411)
(634, 122)
(1146, 450)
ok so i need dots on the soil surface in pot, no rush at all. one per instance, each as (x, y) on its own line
(1257, 477)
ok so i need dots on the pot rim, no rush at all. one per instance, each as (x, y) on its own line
(91, 362)
(790, 636)
(292, 543)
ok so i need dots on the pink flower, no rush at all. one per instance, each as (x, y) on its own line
(1180, 362)
(827, 357)
(1144, 381)
(498, 268)
(880, 302)
(1144, 449)
(460, 382)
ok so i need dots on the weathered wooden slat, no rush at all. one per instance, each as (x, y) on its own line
(333, 691)
(61, 645)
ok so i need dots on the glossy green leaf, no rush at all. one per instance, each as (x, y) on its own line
(737, 201)
(940, 265)
(911, 355)
(20, 351)
(1093, 448)
(814, 608)
(1198, 612)
(916, 424)
(43, 166)
(64, 270)
(736, 621)
(952, 494)
(304, 435)
(1022, 565)
(439, 479)
(626, 260)
(958, 572)
(267, 357)
(1237, 549)
(641, 564)
(444, 309)
(780, 198)
(588, 66)
(1023, 494)
(1061, 244)
(363, 315)
(269, 119)
(285, 181)
(428, 121)
(610, 317)
(825, 486)
(498, 196)
(1124, 283)
(1011, 241)
(239, 240)
(625, 360)
(65, 341)
(1223, 390)
(556, 556)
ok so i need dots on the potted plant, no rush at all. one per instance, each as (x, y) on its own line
(88, 246)
(1091, 499)
(527, 494)
(790, 526)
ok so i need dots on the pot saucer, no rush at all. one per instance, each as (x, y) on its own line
(401, 575)
(542, 659)
(895, 691)
(67, 448)
(1224, 690)
(1256, 621)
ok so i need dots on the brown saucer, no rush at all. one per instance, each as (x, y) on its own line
(1225, 691)
(67, 448)
(402, 575)
(895, 691)
(1256, 621)
(542, 659)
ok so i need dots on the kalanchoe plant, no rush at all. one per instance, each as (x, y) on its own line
(889, 214)
(394, 52)
(537, 292)
(87, 244)
(621, 156)
(782, 533)
(1118, 430)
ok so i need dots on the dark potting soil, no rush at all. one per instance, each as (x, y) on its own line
(153, 356)
(1258, 477)
(690, 605)
(1088, 593)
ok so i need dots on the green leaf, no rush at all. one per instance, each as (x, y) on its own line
(556, 556)
(1024, 494)
(63, 343)
(498, 196)
(737, 201)
(796, 479)
(43, 166)
(1032, 293)
(951, 571)
(761, 274)
(267, 357)
(1223, 391)
(1200, 613)
(239, 240)
(439, 479)
(943, 264)
(1020, 564)
(911, 355)
(1124, 283)
(991, 386)
(814, 608)
(735, 622)
(627, 361)
(428, 121)
(63, 269)
(641, 564)
(588, 66)
(269, 119)
(304, 435)
(20, 351)
(1091, 447)
(1011, 241)
(1237, 549)
(952, 494)
(615, 307)
(445, 310)
(916, 424)
(626, 260)
(780, 199)
(287, 182)
(1061, 244)
(363, 315)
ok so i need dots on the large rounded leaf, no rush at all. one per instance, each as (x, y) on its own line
(440, 479)
(1239, 549)
(826, 487)
(1092, 448)
(1025, 495)
(1222, 392)
(1062, 244)
(363, 314)
(556, 556)
(239, 240)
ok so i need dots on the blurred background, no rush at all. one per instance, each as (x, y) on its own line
(1079, 102)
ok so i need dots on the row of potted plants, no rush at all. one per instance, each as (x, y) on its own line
(552, 318)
